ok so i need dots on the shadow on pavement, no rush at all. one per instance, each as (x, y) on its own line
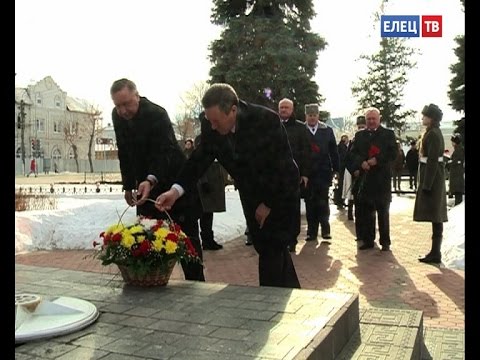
(386, 283)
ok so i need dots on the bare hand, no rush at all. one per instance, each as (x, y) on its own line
(166, 200)
(144, 189)
(129, 197)
(261, 214)
(304, 180)
(365, 166)
(372, 161)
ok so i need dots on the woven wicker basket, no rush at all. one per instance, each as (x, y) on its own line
(156, 277)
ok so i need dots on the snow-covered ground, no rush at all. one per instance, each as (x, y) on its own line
(79, 219)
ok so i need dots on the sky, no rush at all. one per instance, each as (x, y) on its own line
(79, 219)
(163, 47)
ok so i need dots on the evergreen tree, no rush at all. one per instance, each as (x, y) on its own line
(267, 51)
(384, 83)
(456, 93)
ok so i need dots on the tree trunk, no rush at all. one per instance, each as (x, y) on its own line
(90, 162)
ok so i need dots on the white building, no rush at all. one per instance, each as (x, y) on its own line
(51, 126)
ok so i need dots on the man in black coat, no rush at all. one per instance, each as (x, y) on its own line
(252, 145)
(325, 166)
(412, 164)
(150, 158)
(300, 145)
(369, 160)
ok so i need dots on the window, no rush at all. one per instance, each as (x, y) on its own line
(58, 102)
(57, 127)
(18, 153)
(39, 98)
(40, 125)
(56, 154)
(71, 154)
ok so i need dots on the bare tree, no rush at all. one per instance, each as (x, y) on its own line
(187, 123)
(93, 127)
(72, 135)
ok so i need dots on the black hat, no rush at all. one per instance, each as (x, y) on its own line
(433, 112)
(413, 142)
(456, 138)
(361, 120)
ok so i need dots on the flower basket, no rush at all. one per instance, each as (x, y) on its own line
(146, 251)
(155, 277)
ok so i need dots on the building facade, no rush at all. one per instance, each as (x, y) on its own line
(52, 127)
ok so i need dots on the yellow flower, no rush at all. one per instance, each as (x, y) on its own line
(161, 233)
(170, 247)
(158, 245)
(127, 239)
(140, 238)
(115, 229)
(137, 229)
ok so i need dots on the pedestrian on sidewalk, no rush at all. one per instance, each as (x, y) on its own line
(33, 168)
(431, 200)
(250, 142)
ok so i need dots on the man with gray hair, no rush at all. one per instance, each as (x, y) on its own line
(150, 158)
(369, 160)
(300, 145)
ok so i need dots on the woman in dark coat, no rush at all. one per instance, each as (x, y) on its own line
(456, 163)
(431, 200)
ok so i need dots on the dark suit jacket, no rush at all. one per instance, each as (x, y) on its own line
(377, 185)
(257, 156)
(147, 145)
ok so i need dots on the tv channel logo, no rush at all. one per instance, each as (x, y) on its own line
(409, 25)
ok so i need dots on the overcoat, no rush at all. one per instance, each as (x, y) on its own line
(457, 180)
(431, 199)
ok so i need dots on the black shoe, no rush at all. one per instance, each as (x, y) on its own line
(326, 236)
(311, 238)
(366, 246)
(212, 246)
(431, 259)
(385, 247)
(248, 242)
(292, 247)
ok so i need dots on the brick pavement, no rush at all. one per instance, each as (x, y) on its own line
(383, 279)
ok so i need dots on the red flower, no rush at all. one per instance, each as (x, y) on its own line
(190, 248)
(315, 148)
(172, 236)
(145, 246)
(117, 237)
(175, 227)
(373, 151)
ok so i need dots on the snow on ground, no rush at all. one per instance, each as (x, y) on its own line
(79, 219)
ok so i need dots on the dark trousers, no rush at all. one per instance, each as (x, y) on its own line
(369, 210)
(397, 180)
(458, 197)
(337, 192)
(318, 210)
(275, 265)
(189, 224)
(296, 223)
(206, 227)
(412, 179)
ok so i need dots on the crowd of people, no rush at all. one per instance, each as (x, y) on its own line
(276, 160)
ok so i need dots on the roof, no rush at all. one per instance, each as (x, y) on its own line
(77, 105)
(22, 94)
